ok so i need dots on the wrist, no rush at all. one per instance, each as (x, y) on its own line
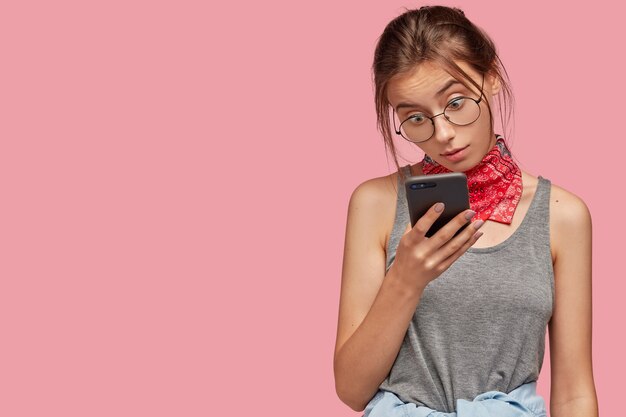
(403, 288)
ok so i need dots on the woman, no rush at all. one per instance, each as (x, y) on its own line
(450, 324)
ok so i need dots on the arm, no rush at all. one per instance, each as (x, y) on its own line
(375, 309)
(573, 390)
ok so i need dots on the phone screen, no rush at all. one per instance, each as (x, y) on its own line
(423, 191)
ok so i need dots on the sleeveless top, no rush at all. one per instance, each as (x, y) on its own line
(481, 325)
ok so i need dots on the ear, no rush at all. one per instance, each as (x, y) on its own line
(494, 82)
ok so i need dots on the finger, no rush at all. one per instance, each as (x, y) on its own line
(458, 242)
(407, 229)
(445, 264)
(424, 223)
(448, 231)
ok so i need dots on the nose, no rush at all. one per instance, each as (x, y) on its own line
(444, 130)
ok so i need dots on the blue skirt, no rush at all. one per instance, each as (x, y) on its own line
(523, 401)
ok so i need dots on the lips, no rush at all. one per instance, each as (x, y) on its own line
(453, 151)
(456, 155)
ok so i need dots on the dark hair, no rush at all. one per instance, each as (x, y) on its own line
(440, 35)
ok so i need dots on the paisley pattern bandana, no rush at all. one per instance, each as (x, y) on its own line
(495, 184)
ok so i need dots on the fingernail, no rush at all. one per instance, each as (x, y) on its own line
(470, 214)
(439, 207)
(477, 224)
(478, 234)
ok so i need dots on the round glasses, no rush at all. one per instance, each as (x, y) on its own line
(418, 127)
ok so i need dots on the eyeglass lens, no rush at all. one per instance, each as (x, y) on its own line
(460, 111)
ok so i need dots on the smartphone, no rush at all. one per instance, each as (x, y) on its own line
(425, 190)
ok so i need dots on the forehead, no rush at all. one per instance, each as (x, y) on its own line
(422, 83)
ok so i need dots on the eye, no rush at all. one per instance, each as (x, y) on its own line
(416, 119)
(456, 104)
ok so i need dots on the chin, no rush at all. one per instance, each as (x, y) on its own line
(460, 166)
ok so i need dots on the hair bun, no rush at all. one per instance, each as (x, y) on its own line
(456, 9)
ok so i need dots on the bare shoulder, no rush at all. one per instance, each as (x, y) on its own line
(376, 190)
(570, 221)
(568, 209)
(374, 202)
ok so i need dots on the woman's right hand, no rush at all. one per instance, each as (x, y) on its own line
(420, 259)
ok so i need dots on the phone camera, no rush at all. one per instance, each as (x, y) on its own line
(422, 185)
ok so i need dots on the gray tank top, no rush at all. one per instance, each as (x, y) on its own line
(481, 325)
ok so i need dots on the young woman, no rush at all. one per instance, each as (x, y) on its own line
(455, 325)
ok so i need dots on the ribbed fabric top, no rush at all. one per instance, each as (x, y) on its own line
(479, 326)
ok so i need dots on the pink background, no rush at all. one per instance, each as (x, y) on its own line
(175, 179)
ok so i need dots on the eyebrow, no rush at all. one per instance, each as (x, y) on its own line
(442, 90)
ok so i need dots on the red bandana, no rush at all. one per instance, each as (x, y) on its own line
(495, 184)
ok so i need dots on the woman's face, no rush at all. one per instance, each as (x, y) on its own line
(428, 89)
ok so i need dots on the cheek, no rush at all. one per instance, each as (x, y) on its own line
(433, 152)
(485, 115)
(425, 147)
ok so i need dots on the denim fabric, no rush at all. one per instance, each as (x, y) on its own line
(521, 402)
